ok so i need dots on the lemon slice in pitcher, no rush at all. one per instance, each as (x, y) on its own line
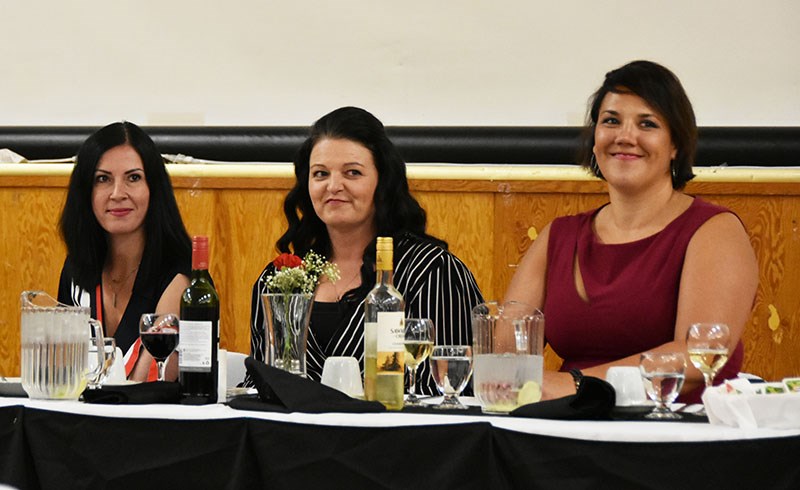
(531, 392)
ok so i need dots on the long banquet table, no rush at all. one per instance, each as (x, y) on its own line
(62, 444)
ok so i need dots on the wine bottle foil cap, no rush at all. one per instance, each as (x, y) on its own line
(385, 253)
(385, 243)
(200, 252)
(199, 242)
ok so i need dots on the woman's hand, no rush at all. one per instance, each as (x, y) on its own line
(145, 360)
(142, 366)
(556, 384)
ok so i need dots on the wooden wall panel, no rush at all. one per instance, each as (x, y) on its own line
(249, 222)
(31, 256)
(464, 220)
(243, 226)
(489, 225)
(773, 332)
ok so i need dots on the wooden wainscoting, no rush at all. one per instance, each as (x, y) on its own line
(489, 215)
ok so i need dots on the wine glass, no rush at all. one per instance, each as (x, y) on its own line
(451, 367)
(159, 335)
(663, 374)
(707, 344)
(109, 356)
(418, 341)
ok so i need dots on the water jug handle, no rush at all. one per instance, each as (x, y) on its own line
(97, 339)
(27, 297)
(40, 299)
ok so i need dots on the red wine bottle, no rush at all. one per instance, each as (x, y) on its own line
(199, 337)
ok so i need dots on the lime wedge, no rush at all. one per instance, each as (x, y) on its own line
(531, 392)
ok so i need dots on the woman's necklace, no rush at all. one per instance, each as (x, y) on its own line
(346, 286)
(116, 284)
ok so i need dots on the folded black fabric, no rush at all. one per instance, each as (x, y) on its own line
(142, 393)
(279, 390)
(638, 413)
(594, 401)
(431, 409)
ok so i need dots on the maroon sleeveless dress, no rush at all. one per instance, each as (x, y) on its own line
(632, 290)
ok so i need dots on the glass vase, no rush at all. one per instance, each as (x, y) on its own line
(287, 316)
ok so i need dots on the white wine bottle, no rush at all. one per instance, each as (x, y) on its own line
(384, 318)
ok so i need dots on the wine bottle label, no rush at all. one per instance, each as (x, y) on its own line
(390, 336)
(195, 346)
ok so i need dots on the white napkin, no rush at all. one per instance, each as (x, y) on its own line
(750, 410)
(222, 376)
(8, 156)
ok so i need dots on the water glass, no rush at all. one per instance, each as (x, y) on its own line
(451, 367)
(663, 374)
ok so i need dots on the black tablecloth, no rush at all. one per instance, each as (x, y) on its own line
(45, 449)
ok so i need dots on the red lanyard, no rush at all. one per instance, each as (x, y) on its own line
(99, 303)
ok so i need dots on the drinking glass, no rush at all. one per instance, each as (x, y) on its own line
(159, 335)
(343, 374)
(109, 356)
(418, 341)
(451, 367)
(707, 344)
(663, 374)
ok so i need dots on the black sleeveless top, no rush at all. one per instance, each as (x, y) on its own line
(144, 299)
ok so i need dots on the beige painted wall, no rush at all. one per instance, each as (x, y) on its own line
(260, 62)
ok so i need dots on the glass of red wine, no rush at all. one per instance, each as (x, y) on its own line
(159, 335)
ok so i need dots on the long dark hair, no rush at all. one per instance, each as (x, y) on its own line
(396, 211)
(662, 90)
(166, 241)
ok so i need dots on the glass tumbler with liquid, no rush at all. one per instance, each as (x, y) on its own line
(451, 368)
(508, 345)
(55, 341)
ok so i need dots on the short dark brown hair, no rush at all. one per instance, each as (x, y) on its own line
(662, 90)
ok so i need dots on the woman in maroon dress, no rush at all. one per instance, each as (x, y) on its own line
(632, 275)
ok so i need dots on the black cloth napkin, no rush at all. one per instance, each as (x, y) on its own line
(142, 393)
(594, 401)
(281, 391)
(638, 413)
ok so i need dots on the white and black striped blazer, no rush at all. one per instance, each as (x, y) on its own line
(434, 283)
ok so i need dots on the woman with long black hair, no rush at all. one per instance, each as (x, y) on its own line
(351, 187)
(128, 252)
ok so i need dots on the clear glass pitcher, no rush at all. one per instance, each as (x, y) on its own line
(55, 342)
(508, 346)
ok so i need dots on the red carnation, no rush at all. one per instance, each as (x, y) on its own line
(287, 260)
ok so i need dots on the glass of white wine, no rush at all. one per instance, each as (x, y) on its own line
(419, 337)
(451, 367)
(663, 374)
(708, 347)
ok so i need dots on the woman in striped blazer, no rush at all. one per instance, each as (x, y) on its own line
(351, 187)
